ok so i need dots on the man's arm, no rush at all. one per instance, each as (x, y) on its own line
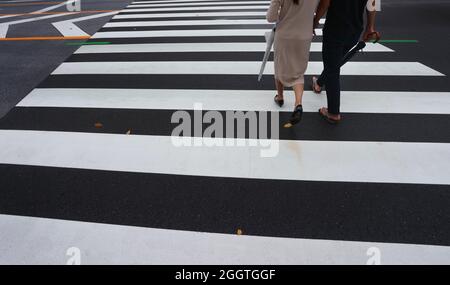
(370, 32)
(371, 20)
(321, 10)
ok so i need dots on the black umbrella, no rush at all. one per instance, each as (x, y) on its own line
(359, 46)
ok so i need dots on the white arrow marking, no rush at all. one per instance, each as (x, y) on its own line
(5, 26)
(67, 28)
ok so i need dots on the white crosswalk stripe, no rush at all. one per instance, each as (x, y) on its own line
(193, 15)
(192, 3)
(213, 4)
(187, 23)
(132, 154)
(199, 47)
(183, 33)
(106, 115)
(211, 8)
(181, 247)
(255, 100)
(230, 67)
(182, 2)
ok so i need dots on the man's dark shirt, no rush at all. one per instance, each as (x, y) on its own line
(345, 18)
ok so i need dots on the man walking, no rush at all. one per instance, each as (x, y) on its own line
(343, 28)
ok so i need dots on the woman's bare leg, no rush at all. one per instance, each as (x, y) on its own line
(298, 89)
(280, 89)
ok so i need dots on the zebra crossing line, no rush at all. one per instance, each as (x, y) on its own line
(261, 22)
(255, 100)
(198, 47)
(182, 33)
(136, 16)
(120, 153)
(95, 242)
(197, 9)
(238, 68)
(187, 23)
(191, 1)
(386, 186)
(203, 4)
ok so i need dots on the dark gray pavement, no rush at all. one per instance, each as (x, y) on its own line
(23, 64)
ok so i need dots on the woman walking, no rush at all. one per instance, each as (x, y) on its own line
(293, 36)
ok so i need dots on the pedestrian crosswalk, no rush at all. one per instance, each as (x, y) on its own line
(93, 143)
(237, 68)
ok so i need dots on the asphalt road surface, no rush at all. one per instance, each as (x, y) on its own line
(26, 62)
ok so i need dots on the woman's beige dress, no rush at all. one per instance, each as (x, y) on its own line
(293, 38)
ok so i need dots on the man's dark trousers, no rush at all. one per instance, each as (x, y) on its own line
(334, 48)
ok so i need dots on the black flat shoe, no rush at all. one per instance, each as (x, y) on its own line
(279, 102)
(296, 117)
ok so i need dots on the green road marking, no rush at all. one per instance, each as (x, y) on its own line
(398, 41)
(88, 43)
